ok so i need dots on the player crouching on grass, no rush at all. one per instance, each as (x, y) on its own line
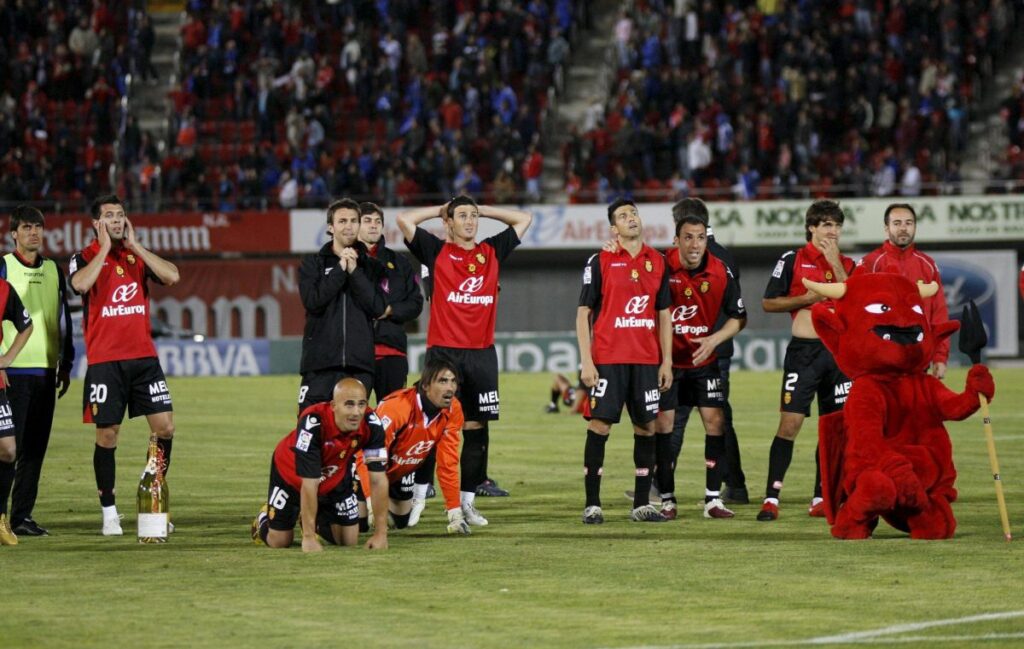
(419, 422)
(311, 473)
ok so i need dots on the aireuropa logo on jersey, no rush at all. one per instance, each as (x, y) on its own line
(683, 313)
(634, 307)
(466, 293)
(121, 295)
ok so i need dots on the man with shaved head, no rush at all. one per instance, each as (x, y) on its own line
(311, 474)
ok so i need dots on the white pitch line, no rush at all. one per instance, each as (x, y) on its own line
(868, 637)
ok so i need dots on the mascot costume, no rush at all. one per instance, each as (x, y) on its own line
(887, 453)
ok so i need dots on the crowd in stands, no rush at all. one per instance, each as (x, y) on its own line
(748, 99)
(63, 69)
(1012, 112)
(296, 102)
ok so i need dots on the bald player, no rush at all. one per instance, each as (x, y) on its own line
(311, 473)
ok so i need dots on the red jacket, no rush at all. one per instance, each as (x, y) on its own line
(915, 266)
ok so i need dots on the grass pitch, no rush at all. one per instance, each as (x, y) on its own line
(535, 576)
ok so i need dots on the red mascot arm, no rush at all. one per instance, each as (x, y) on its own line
(961, 406)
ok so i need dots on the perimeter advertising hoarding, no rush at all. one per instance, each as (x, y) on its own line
(237, 298)
(238, 357)
(173, 234)
(755, 223)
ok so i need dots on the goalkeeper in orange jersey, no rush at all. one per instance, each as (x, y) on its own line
(421, 421)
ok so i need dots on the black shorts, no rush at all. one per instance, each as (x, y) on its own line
(478, 379)
(139, 384)
(635, 386)
(389, 374)
(339, 506)
(398, 491)
(809, 370)
(318, 385)
(702, 387)
(7, 427)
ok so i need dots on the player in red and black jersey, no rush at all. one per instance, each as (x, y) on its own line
(623, 329)
(703, 289)
(809, 369)
(311, 475)
(404, 304)
(112, 275)
(463, 308)
(12, 310)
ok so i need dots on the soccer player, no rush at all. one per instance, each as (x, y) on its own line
(420, 422)
(571, 396)
(900, 255)
(12, 311)
(808, 368)
(42, 372)
(311, 474)
(464, 302)
(732, 467)
(112, 274)
(623, 328)
(703, 288)
(340, 290)
(404, 303)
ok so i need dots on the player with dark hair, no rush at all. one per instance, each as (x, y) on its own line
(112, 274)
(464, 298)
(421, 422)
(703, 289)
(732, 466)
(311, 475)
(623, 328)
(808, 369)
(404, 304)
(42, 372)
(898, 254)
(340, 290)
(13, 311)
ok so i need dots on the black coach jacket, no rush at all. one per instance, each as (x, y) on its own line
(402, 294)
(340, 310)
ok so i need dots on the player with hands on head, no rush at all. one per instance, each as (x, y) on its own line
(112, 274)
(464, 298)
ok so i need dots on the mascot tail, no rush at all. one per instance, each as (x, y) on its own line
(831, 441)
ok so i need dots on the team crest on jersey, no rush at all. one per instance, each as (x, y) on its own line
(130, 258)
(391, 266)
(705, 286)
(828, 275)
(472, 268)
(480, 257)
(119, 270)
(787, 398)
(688, 292)
(635, 274)
(355, 443)
(648, 266)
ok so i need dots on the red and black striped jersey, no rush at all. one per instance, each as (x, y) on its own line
(795, 265)
(699, 296)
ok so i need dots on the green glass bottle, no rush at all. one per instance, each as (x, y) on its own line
(152, 498)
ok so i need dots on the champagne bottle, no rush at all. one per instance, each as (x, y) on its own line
(152, 498)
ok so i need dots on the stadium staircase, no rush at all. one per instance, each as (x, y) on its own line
(149, 102)
(587, 82)
(987, 142)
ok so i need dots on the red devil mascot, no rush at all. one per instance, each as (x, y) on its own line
(887, 453)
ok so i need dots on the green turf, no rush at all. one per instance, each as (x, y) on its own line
(535, 577)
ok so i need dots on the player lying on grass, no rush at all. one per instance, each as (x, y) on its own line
(421, 422)
(311, 475)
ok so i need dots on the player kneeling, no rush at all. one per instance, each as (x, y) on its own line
(311, 475)
(418, 422)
